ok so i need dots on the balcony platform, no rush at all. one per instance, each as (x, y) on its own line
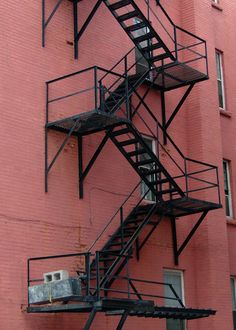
(87, 123)
(178, 75)
(115, 306)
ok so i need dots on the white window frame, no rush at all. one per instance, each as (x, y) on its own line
(220, 79)
(233, 293)
(216, 1)
(181, 273)
(228, 196)
(146, 198)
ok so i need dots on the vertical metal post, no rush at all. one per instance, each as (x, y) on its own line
(80, 160)
(176, 44)
(207, 69)
(163, 108)
(127, 89)
(186, 176)
(122, 228)
(95, 88)
(43, 23)
(174, 239)
(87, 264)
(102, 96)
(218, 185)
(97, 276)
(28, 280)
(46, 144)
(137, 249)
(75, 16)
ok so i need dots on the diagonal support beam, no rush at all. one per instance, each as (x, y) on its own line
(90, 319)
(45, 21)
(122, 320)
(84, 173)
(48, 168)
(181, 102)
(178, 251)
(79, 34)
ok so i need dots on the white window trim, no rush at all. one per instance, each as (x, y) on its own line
(222, 76)
(234, 293)
(176, 271)
(216, 1)
(230, 216)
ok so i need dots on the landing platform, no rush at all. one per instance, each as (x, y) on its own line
(86, 123)
(178, 75)
(184, 206)
(115, 306)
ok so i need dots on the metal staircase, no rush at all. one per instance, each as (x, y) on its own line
(154, 64)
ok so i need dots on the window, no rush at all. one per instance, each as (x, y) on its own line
(233, 295)
(141, 63)
(228, 199)
(220, 81)
(175, 278)
(144, 188)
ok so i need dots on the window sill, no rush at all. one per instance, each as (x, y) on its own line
(231, 221)
(225, 113)
(216, 6)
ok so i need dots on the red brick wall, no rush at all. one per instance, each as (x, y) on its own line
(34, 223)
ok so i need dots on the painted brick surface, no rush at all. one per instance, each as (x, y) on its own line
(34, 223)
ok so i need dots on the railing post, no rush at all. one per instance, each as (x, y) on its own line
(176, 44)
(97, 275)
(28, 281)
(127, 89)
(186, 176)
(218, 185)
(102, 96)
(95, 88)
(87, 265)
(206, 55)
(121, 225)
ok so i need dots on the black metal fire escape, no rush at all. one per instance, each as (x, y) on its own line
(163, 66)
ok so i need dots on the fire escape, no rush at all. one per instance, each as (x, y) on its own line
(165, 57)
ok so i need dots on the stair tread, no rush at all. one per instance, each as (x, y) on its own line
(136, 27)
(152, 47)
(119, 4)
(159, 57)
(121, 131)
(137, 152)
(127, 16)
(128, 142)
(144, 37)
(149, 172)
(144, 162)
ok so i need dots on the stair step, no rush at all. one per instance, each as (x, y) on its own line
(135, 27)
(121, 131)
(144, 162)
(111, 252)
(137, 152)
(144, 37)
(127, 16)
(117, 243)
(152, 47)
(159, 57)
(119, 4)
(128, 142)
(166, 191)
(124, 235)
(160, 181)
(106, 259)
(149, 172)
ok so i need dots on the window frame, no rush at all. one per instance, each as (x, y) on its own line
(228, 194)
(181, 273)
(220, 79)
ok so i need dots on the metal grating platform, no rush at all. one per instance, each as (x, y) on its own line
(178, 75)
(119, 306)
(86, 123)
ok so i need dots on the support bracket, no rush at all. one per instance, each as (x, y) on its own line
(84, 173)
(178, 250)
(122, 320)
(90, 319)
